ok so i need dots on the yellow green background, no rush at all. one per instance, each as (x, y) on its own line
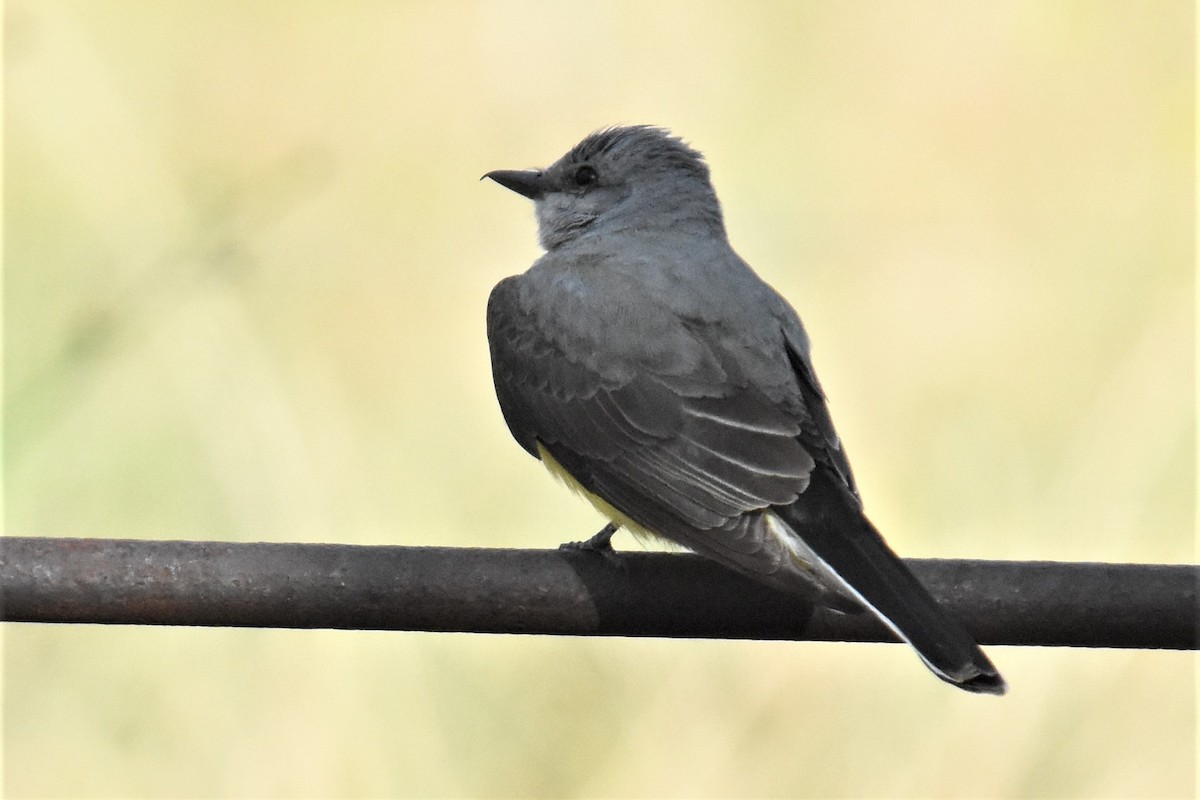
(246, 258)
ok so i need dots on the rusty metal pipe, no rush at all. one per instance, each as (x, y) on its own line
(136, 582)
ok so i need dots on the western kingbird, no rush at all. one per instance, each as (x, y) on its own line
(645, 364)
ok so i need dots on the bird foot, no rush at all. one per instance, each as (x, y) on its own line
(600, 544)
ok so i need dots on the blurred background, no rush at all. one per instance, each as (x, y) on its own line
(246, 260)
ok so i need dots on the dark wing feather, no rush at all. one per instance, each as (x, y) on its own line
(818, 432)
(676, 453)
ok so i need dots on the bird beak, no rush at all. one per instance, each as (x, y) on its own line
(529, 183)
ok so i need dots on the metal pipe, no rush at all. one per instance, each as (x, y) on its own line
(137, 582)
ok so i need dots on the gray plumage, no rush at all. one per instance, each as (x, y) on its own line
(658, 370)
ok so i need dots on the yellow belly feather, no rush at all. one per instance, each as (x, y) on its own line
(606, 509)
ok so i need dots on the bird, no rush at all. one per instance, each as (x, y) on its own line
(646, 365)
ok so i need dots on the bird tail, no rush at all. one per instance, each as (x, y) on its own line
(844, 548)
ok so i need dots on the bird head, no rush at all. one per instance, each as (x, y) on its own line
(635, 179)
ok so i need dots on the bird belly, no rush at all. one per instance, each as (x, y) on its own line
(606, 509)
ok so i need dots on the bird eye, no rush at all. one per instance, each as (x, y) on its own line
(585, 176)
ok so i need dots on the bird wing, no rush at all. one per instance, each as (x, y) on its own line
(683, 453)
(818, 432)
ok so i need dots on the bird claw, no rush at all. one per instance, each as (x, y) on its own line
(601, 544)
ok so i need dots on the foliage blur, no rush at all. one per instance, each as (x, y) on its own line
(246, 261)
